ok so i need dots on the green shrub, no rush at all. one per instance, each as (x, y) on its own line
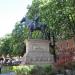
(6, 69)
(34, 70)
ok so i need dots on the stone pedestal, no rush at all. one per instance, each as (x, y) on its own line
(37, 52)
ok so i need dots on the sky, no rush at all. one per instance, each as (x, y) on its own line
(11, 11)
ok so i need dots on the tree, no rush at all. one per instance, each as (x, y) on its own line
(6, 46)
(19, 34)
(57, 14)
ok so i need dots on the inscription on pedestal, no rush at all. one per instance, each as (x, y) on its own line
(38, 47)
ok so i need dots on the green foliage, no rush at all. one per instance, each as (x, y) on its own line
(34, 70)
(6, 46)
(59, 15)
(6, 69)
(18, 36)
(37, 34)
(29, 70)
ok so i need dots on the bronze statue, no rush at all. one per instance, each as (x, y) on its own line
(35, 25)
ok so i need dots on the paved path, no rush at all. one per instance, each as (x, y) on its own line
(10, 73)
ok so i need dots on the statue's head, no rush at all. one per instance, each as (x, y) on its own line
(23, 20)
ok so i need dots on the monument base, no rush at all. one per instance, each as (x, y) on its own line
(37, 52)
